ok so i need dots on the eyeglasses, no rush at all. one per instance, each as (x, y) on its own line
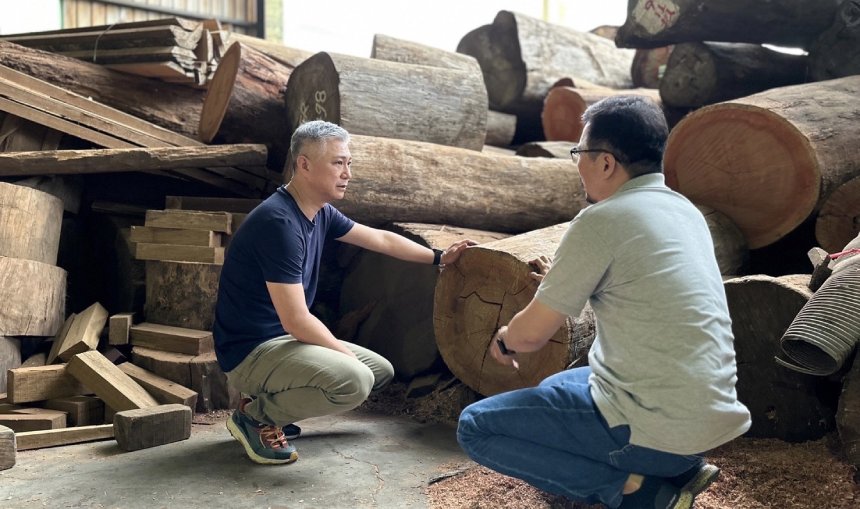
(575, 151)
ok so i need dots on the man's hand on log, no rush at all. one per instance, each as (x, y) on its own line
(542, 266)
(499, 351)
(451, 254)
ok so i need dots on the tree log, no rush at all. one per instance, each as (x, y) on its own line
(181, 294)
(522, 57)
(10, 356)
(388, 99)
(33, 296)
(428, 183)
(770, 160)
(501, 128)
(172, 106)
(555, 149)
(654, 23)
(245, 103)
(648, 66)
(30, 223)
(564, 106)
(291, 57)
(839, 219)
(836, 53)
(730, 247)
(487, 286)
(784, 404)
(701, 73)
(393, 49)
(399, 322)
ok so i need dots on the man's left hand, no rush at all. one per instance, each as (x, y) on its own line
(453, 252)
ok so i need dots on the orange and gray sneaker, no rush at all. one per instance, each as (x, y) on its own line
(264, 444)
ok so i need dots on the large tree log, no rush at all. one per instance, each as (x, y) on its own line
(395, 298)
(522, 57)
(784, 404)
(393, 49)
(245, 102)
(428, 183)
(379, 98)
(291, 57)
(172, 106)
(770, 160)
(33, 296)
(30, 223)
(730, 247)
(487, 286)
(10, 357)
(701, 73)
(836, 53)
(653, 23)
(501, 128)
(554, 149)
(563, 108)
(181, 294)
(839, 219)
(648, 66)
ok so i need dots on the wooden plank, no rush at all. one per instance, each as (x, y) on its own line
(108, 382)
(65, 162)
(190, 220)
(178, 253)
(113, 38)
(130, 55)
(7, 448)
(59, 339)
(172, 339)
(163, 390)
(118, 327)
(243, 205)
(41, 383)
(152, 235)
(169, 71)
(83, 335)
(35, 421)
(187, 24)
(151, 427)
(80, 410)
(67, 436)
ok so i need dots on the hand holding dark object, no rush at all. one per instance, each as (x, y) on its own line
(500, 351)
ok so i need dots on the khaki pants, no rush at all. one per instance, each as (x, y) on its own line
(291, 380)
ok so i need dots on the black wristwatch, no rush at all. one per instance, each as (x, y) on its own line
(502, 348)
(437, 256)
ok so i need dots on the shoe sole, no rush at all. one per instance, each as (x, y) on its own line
(256, 458)
(695, 486)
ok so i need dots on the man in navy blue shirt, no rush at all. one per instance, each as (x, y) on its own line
(267, 342)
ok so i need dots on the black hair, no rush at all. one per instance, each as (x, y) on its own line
(631, 127)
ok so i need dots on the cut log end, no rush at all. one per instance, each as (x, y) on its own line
(748, 163)
(220, 91)
(318, 81)
(562, 114)
(839, 219)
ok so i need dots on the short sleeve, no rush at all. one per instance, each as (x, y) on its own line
(338, 224)
(280, 251)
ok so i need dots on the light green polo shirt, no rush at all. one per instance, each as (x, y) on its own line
(663, 360)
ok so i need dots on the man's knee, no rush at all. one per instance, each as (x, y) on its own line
(354, 387)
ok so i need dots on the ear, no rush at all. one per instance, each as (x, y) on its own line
(609, 165)
(302, 163)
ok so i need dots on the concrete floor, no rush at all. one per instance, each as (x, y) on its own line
(352, 460)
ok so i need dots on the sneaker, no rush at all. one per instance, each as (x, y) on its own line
(291, 431)
(697, 479)
(657, 493)
(263, 443)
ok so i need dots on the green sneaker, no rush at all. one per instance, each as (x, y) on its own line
(263, 443)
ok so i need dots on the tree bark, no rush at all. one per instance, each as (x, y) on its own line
(181, 294)
(245, 103)
(654, 23)
(701, 73)
(388, 99)
(730, 247)
(836, 53)
(399, 321)
(174, 107)
(428, 183)
(402, 51)
(30, 223)
(770, 160)
(501, 128)
(33, 296)
(564, 106)
(522, 57)
(784, 404)
(648, 66)
(839, 219)
(290, 57)
(487, 286)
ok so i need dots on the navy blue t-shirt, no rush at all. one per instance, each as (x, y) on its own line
(278, 244)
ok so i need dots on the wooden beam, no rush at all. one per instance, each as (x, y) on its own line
(7, 448)
(153, 426)
(66, 436)
(41, 383)
(114, 160)
(33, 421)
(152, 235)
(176, 253)
(109, 383)
(190, 220)
(84, 332)
(165, 391)
(172, 339)
(80, 410)
(119, 325)
(212, 204)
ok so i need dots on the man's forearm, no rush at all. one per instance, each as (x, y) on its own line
(309, 329)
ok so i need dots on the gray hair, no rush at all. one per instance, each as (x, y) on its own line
(314, 131)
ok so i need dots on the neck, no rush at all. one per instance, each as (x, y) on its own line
(307, 204)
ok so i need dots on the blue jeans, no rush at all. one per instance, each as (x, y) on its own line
(554, 437)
